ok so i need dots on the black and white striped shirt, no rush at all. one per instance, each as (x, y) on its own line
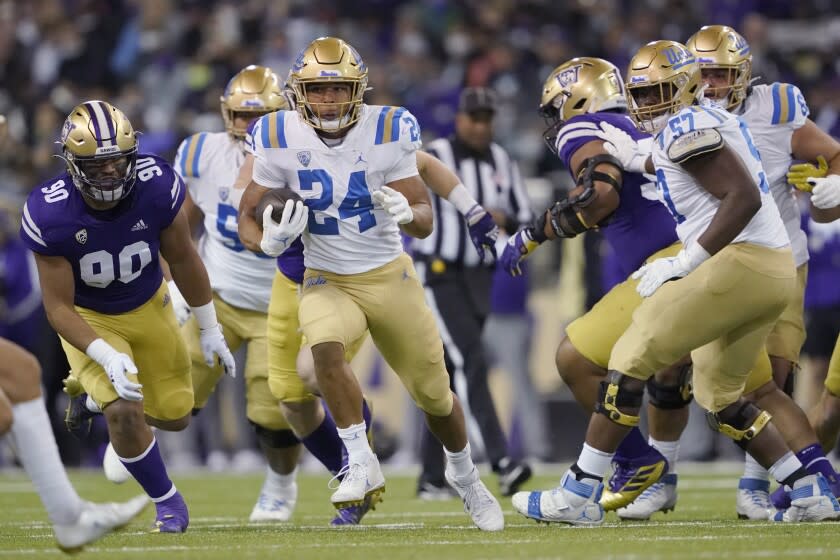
(494, 181)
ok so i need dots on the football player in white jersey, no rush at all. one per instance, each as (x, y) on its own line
(777, 116)
(356, 169)
(209, 162)
(717, 299)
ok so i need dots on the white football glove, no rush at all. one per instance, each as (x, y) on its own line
(621, 146)
(179, 304)
(826, 191)
(395, 203)
(277, 237)
(213, 344)
(116, 366)
(656, 273)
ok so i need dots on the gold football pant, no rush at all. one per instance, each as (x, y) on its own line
(390, 302)
(285, 340)
(721, 313)
(150, 336)
(239, 326)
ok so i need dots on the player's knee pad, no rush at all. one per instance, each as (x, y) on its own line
(671, 397)
(741, 421)
(619, 392)
(275, 439)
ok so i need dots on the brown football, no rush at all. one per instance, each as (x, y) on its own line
(277, 199)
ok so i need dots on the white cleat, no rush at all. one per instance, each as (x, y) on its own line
(810, 500)
(573, 502)
(482, 506)
(661, 496)
(276, 505)
(361, 480)
(753, 500)
(96, 520)
(114, 469)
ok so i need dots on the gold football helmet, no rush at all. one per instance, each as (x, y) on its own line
(99, 146)
(254, 90)
(663, 77)
(329, 60)
(721, 47)
(581, 85)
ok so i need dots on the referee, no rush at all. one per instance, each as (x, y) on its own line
(458, 280)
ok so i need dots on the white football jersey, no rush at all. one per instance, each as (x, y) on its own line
(209, 163)
(773, 112)
(691, 205)
(347, 233)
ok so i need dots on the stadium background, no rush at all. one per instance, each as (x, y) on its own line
(165, 63)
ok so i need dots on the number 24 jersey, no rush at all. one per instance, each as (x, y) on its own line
(346, 233)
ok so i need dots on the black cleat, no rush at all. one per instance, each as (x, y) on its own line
(512, 475)
(77, 417)
(435, 491)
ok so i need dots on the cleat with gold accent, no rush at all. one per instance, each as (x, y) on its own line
(631, 477)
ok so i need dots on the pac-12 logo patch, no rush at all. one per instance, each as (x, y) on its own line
(304, 158)
(81, 236)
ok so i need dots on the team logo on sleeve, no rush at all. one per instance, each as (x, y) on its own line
(304, 158)
(81, 236)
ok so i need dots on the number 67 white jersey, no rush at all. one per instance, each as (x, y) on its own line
(700, 129)
(113, 253)
(346, 232)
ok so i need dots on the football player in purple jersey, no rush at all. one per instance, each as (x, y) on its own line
(578, 97)
(97, 231)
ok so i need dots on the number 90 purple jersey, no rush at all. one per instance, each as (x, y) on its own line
(114, 253)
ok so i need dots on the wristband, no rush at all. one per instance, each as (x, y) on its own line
(461, 199)
(99, 351)
(205, 315)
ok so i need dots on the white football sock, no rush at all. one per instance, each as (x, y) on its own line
(461, 461)
(784, 467)
(669, 449)
(277, 481)
(355, 440)
(753, 470)
(38, 452)
(594, 461)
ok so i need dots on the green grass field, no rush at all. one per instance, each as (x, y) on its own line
(703, 526)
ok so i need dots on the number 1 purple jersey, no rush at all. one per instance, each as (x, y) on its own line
(640, 226)
(114, 253)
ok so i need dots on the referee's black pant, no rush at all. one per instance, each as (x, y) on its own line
(460, 299)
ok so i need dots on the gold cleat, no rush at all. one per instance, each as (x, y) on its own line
(633, 481)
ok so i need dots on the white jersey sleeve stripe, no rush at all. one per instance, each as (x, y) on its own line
(30, 228)
(176, 190)
(561, 142)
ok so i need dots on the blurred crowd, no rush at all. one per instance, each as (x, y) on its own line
(165, 64)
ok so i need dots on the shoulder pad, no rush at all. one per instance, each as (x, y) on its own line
(189, 155)
(694, 143)
(788, 104)
(270, 131)
(396, 124)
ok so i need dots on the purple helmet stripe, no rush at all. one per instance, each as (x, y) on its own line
(112, 133)
(97, 132)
